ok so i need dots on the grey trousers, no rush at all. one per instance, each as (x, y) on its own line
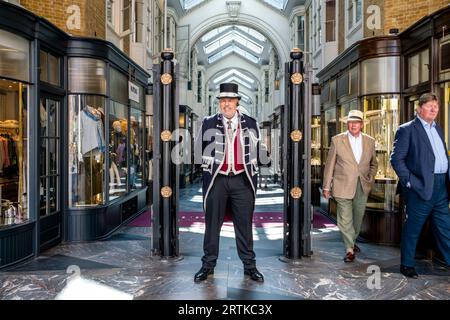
(350, 214)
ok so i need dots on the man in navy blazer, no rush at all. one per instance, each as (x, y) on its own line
(419, 157)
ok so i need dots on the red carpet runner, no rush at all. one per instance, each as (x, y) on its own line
(186, 219)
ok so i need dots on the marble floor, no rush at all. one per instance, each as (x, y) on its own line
(123, 268)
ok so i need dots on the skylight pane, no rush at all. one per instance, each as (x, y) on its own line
(253, 33)
(233, 36)
(214, 33)
(234, 72)
(237, 80)
(279, 4)
(233, 48)
(187, 4)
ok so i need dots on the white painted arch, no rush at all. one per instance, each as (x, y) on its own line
(280, 44)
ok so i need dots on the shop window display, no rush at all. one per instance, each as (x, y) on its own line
(118, 162)
(136, 149)
(13, 152)
(86, 150)
(381, 122)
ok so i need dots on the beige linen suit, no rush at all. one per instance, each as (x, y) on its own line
(350, 183)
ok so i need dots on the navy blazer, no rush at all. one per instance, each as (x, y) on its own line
(413, 159)
(209, 150)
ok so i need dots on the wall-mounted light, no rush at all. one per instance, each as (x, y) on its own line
(277, 84)
(182, 120)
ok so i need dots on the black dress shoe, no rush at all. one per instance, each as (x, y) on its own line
(349, 257)
(202, 274)
(409, 272)
(254, 274)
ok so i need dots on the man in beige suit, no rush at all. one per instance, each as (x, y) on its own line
(349, 175)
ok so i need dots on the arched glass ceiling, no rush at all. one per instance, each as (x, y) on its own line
(224, 40)
(187, 4)
(230, 36)
(230, 49)
(233, 78)
(233, 72)
(279, 4)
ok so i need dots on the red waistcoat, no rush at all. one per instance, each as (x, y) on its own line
(237, 151)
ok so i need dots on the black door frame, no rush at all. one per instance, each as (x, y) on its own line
(49, 223)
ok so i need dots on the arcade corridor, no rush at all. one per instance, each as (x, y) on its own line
(123, 264)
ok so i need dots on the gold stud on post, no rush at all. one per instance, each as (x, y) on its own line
(166, 79)
(166, 136)
(296, 192)
(166, 192)
(297, 78)
(296, 135)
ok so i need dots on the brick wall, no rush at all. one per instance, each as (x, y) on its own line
(402, 14)
(92, 15)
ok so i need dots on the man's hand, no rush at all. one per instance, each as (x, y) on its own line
(326, 194)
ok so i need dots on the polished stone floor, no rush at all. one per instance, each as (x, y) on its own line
(122, 268)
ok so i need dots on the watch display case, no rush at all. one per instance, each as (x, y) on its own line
(381, 120)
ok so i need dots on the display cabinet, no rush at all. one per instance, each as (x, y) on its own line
(316, 176)
(381, 117)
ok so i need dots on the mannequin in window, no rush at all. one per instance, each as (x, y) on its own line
(113, 170)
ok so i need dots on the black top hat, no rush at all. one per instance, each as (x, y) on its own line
(228, 90)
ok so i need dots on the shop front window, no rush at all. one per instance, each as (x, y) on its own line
(86, 150)
(14, 64)
(381, 115)
(445, 108)
(14, 152)
(136, 154)
(118, 128)
(328, 132)
(86, 141)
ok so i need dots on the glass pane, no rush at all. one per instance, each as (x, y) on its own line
(343, 112)
(118, 127)
(86, 150)
(14, 56)
(354, 81)
(424, 66)
(413, 70)
(43, 157)
(445, 107)
(42, 197)
(381, 115)
(53, 70)
(329, 130)
(43, 75)
(13, 152)
(52, 110)
(136, 148)
(52, 194)
(118, 86)
(87, 75)
(386, 70)
(53, 156)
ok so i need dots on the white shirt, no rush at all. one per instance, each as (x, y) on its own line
(234, 124)
(356, 144)
(230, 142)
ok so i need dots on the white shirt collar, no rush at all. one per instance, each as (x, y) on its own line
(353, 137)
(234, 120)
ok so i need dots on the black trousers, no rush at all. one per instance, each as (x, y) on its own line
(237, 191)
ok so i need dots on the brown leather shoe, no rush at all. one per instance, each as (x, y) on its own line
(349, 257)
(356, 248)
